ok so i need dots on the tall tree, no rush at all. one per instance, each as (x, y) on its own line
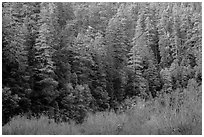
(136, 56)
(164, 39)
(117, 43)
(14, 34)
(45, 83)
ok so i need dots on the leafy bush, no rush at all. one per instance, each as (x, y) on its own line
(9, 104)
(76, 103)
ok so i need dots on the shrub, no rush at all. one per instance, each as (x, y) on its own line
(9, 104)
(76, 103)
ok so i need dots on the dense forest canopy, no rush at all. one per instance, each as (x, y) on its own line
(67, 59)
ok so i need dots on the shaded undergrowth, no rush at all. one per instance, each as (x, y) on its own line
(169, 114)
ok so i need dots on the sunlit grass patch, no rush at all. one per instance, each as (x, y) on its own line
(104, 123)
(20, 125)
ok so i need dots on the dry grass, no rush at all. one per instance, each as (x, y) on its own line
(43, 126)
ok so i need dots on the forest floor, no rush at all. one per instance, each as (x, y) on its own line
(151, 119)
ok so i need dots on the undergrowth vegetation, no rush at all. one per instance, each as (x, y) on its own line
(176, 113)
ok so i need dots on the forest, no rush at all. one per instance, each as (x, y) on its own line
(65, 61)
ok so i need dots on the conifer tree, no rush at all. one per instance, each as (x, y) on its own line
(176, 36)
(136, 57)
(14, 34)
(117, 43)
(164, 39)
(44, 68)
